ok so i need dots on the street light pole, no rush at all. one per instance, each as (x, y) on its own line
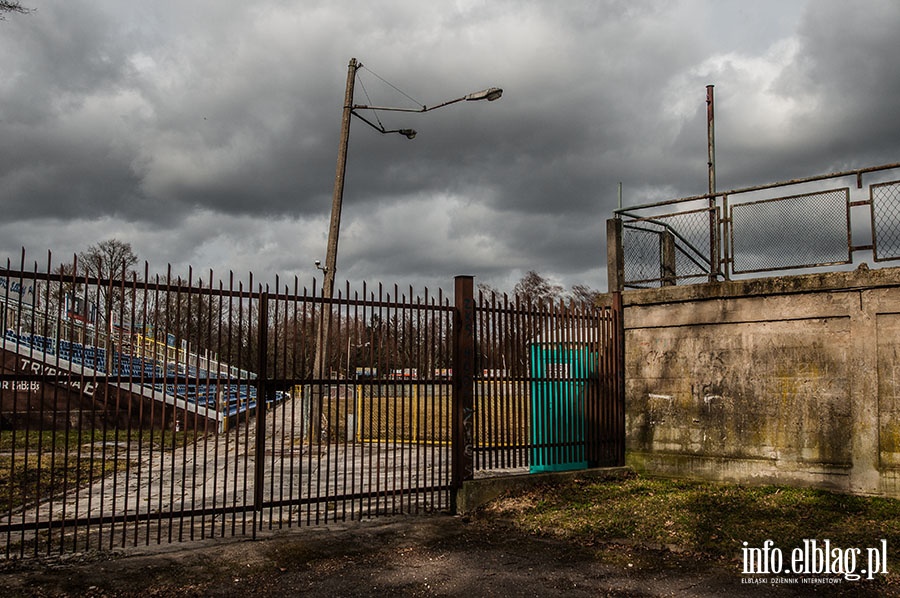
(330, 269)
(337, 197)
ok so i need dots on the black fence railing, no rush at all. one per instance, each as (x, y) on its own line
(177, 409)
(547, 386)
(822, 222)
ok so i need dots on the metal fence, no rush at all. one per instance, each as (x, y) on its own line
(824, 221)
(548, 386)
(141, 409)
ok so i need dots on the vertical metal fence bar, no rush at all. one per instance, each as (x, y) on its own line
(485, 405)
(42, 393)
(245, 355)
(221, 395)
(463, 382)
(443, 400)
(507, 388)
(560, 379)
(391, 416)
(429, 402)
(481, 433)
(179, 444)
(407, 396)
(348, 465)
(116, 413)
(55, 466)
(282, 334)
(519, 384)
(8, 486)
(412, 427)
(235, 342)
(342, 407)
(194, 392)
(299, 394)
(371, 398)
(350, 442)
(426, 368)
(159, 331)
(576, 386)
(262, 369)
(271, 430)
(79, 439)
(315, 411)
(309, 323)
(619, 396)
(335, 325)
(26, 436)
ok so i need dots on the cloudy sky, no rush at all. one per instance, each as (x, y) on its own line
(205, 132)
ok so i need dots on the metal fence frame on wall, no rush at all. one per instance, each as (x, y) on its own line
(190, 408)
(789, 225)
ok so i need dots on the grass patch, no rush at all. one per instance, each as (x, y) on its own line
(37, 465)
(47, 440)
(711, 519)
(40, 477)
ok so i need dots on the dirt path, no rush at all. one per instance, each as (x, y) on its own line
(404, 556)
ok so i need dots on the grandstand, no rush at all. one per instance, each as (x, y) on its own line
(190, 383)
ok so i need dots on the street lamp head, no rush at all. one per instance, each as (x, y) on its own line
(490, 94)
(408, 133)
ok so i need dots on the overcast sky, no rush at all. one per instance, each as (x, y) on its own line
(205, 132)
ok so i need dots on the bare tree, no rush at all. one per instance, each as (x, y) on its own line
(537, 288)
(110, 262)
(584, 294)
(108, 258)
(12, 7)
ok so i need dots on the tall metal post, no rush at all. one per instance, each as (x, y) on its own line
(711, 152)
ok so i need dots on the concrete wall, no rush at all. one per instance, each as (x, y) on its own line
(792, 380)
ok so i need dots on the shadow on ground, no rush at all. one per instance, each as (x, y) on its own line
(434, 555)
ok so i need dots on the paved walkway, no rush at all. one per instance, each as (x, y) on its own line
(213, 481)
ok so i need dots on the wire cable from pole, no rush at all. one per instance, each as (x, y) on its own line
(392, 86)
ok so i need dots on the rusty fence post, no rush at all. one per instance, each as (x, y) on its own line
(618, 312)
(615, 258)
(667, 253)
(462, 442)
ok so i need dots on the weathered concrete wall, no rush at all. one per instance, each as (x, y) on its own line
(791, 380)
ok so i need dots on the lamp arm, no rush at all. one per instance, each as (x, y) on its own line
(378, 128)
(393, 109)
(408, 133)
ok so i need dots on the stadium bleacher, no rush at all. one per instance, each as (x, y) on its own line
(195, 385)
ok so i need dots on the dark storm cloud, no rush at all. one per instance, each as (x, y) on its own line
(848, 67)
(206, 133)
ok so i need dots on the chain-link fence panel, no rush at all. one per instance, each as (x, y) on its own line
(642, 256)
(798, 231)
(886, 220)
(662, 249)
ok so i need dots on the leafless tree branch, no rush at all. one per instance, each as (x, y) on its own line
(13, 6)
